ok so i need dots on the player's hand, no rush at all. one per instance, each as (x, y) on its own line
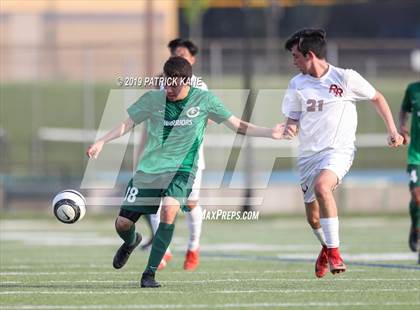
(395, 139)
(94, 149)
(404, 133)
(290, 131)
(277, 132)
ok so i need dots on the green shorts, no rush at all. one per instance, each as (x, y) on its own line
(144, 191)
(414, 173)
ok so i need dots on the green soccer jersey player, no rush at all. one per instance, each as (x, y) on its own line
(176, 119)
(411, 104)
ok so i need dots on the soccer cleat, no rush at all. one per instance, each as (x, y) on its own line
(192, 259)
(412, 239)
(335, 261)
(321, 265)
(124, 253)
(166, 258)
(148, 280)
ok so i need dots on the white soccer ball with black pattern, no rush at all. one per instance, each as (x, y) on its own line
(69, 206)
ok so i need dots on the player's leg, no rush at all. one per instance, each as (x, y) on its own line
(324, 186)
(139, 199)
(161, 241)
(414, 185)
(126, 229)
(175, 196)
(415, 194)
(194, 220)
(154, 222)
(313, 218)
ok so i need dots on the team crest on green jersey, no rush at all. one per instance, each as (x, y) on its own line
(193, 112)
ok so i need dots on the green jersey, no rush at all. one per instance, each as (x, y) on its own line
(175, 129)
(411, 104)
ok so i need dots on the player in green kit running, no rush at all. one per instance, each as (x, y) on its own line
(176, 119)
(411, 104)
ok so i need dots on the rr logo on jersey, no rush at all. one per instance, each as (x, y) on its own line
(338, 91)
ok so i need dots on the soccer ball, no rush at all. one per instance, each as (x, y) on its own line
(69, 206)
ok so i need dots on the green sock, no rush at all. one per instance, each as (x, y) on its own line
(160, 243)
(129, 236)
(414, 214)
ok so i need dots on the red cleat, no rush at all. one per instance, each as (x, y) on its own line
(166, 258)
(168, 255)
(321, 265)
(335, 261)
(192, 258)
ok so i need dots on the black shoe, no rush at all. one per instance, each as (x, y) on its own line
(412, 239)
(124, 252)
(148, 280)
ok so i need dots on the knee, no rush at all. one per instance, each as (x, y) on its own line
(123, 224)
(168, 214)
(322, 191)
(191, 204)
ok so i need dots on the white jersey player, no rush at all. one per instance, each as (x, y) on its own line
(320, 105)
(186, 49)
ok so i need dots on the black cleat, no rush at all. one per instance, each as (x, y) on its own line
(148, 280)
(124, 253)
(412, 239)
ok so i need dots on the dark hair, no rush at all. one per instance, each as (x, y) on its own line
(177, 67)
(309, 40)
(174, 44)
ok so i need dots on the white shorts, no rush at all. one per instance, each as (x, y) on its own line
(309, 167)
(195, 192)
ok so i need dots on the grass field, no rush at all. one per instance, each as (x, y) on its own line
(245, 265)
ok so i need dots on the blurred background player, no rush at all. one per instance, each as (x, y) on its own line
(321, 102)
(188, 50)
(411, 104)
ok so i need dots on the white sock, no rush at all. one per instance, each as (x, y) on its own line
(194, 221)
(319, 234)
(330, 227)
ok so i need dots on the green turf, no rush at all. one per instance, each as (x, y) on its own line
(239, 267)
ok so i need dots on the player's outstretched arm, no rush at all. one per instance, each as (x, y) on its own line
(249, 129)
(382, 107)
(120, 130)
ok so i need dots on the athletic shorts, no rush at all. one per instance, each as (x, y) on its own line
(414, 173)
(309, 167)
(145, 191)
(195, 193)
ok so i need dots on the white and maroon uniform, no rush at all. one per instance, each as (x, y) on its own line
(326, 110)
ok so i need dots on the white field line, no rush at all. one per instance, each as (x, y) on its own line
(291, 291)
(16, 268)
(366, 257)
(235, 280)
(218, 306)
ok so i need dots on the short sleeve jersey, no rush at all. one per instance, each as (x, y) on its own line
(326, 108)
(411, 104)
(175, 129)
